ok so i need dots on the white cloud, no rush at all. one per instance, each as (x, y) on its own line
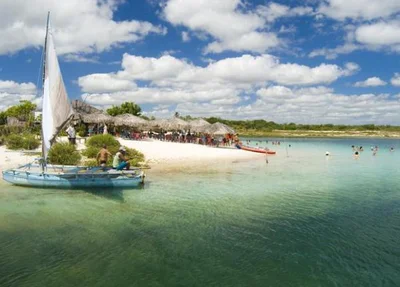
(17, 88)
(77, 25)
(221, 85)
(396, 80)
(222, 88)
(241, 72)
(7, 99)
(283, 104)
(81, 59)
(332, 53)
(11, 93)
(185, 36)
(296, 105)
(359, 9)
(273, 11)
(379, 34)
(231, 28)
(371, 82)
(105, 83)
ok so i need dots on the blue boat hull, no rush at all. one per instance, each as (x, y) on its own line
(74, 180)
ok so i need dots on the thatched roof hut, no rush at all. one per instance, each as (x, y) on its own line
(129, 120)
(199, 125)
(83, 108)
(96, 118)
(170, 124)
(220, 129)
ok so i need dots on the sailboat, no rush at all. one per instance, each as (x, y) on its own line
(56, 113)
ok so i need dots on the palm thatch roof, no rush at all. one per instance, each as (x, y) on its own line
(97, 118)
(83, 108)
(199, 125)
(220, 129)
(170, 124)
(130, 120)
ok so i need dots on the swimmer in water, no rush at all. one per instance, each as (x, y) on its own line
(356, 155)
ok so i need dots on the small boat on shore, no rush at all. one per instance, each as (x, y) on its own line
(61, 176)
(56, 113)
(252, 149)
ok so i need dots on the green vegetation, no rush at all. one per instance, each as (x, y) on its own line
(64, 153)
(125, 108)
(9, 130)
(269, 128)
(81, 130)
(23, 112)
(3, 118)
(90, 163)
(95, 143)
(135, 157)
(22, 141)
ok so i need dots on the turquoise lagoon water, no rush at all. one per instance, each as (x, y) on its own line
(303, 219)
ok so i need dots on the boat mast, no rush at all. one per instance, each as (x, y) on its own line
(43, 79)
(45, 48)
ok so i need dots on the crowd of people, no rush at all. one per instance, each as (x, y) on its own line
(357, 150)
(183, 137)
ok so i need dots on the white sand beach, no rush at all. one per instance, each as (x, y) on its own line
(158, 154)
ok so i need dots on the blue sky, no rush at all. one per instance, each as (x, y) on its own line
(328, 61)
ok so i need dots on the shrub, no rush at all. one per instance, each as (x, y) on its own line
(90, 163)
(98, 141)
(91, 152)
(81, 130)
(95, 143)
(135, 156)
(64, 153)
(30, 142)
(14, 141)
(24, 141)
(8, 130)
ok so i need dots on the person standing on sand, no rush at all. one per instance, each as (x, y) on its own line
(71, 134)
(102, 156)
(105, 129)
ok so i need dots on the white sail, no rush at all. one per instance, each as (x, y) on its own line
(57, 109)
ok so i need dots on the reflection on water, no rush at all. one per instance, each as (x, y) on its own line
(300, 220)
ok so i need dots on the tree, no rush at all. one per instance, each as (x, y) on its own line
(125, 108)
(23, 111)
(3, 118)
(176, 115)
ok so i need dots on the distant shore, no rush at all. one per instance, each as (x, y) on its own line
(320, 134)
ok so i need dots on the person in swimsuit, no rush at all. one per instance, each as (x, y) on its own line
(102, 156)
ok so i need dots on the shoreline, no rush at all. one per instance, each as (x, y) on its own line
(323, 134)
(169, 156)
(160, 156)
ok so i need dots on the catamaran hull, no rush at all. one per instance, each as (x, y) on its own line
(34, 179)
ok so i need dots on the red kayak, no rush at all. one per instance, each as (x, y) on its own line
(259, 150)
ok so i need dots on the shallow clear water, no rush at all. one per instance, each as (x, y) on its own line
(303, 219)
